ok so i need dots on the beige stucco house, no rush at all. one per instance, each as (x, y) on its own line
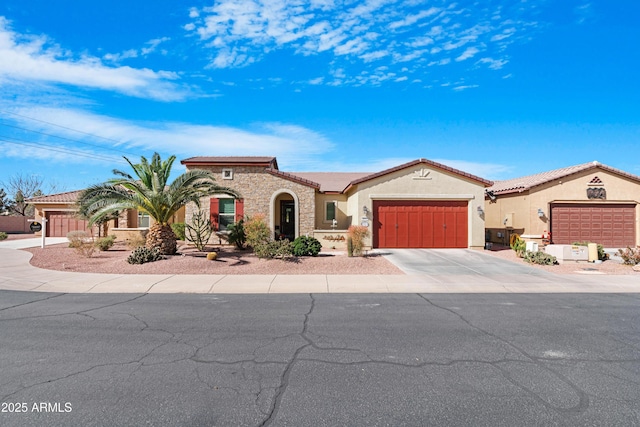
(420, 204)
(60, 210)
(588, 202)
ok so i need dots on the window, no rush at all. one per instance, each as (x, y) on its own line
(329, 211)
(226, 213)
(143, 220)
(227, 173)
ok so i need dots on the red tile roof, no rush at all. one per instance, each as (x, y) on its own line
(332, 182)
(518, 185)
(68, 197)
(232, 161)
(294, 178)
(431, 163)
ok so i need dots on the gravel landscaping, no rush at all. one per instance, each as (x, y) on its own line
(230, 261)
(611, 266)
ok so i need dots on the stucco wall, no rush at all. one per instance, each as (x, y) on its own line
(258, 189)
(421, 182)
(572, 189)
(344, 220)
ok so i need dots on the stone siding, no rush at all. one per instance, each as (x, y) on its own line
(257, 187)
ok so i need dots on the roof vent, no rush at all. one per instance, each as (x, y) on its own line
(595, 180)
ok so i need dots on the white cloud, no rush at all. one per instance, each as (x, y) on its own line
(357, 34)
(290, 143)
(34, 59)
(468, 53)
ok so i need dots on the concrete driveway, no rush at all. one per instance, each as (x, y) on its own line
(450, 264)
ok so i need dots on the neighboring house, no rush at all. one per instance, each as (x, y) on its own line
(420, 204)
(588, 202)
(60, 210)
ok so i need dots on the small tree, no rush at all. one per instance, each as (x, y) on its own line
(199, 231)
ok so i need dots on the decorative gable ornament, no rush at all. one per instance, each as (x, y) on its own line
(422, 174)
(596, 181)
(598, 193)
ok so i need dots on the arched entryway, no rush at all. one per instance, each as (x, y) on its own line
(285, 214)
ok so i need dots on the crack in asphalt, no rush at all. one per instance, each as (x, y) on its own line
(284, 378)
(79, 313)
(583, 403)
(33, 302)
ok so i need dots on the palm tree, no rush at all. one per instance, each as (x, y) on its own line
(150, 194)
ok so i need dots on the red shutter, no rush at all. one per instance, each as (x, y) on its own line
(214, 211)
(239, 209)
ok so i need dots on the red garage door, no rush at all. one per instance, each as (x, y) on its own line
(60, 223)
(613, 226)
(420, 224)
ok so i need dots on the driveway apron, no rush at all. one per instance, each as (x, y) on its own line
(448, 265)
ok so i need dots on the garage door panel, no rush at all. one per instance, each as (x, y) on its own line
(611, 225)
(420, 224)
(60, 223)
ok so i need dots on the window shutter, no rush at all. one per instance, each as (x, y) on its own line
(239, 209)
(214, 212)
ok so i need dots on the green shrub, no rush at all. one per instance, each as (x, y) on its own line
(349, 246)
(179, 230)
(630, 256)
(518, 245)
(256, 230)
(306, 246)
(273, 249)
(236, 234)
(105, 243)
(602, 255)
(143, 255)
(540, 258)
(3, 235)
(358, 233)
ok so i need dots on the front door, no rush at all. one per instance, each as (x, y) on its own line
(287, 219)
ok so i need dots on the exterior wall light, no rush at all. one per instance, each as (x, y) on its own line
(540, 213)
(365, 210)
(480, 210)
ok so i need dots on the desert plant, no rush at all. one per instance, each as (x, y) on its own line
(105, 243)
(273, 249)
(149, 193)
(518, 245)
(135, 241)
(199, 231)
(602, 255)
(630, 256)
(306, 246)
(82, 242)
(540, 258)
(212, 256)
(256, 230)
(349, 246)
(143, 255)
(236, 234)
(358, 233)
(179, 230)
(3, 235)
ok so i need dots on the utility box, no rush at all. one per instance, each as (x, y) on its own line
(508, 220)
(593, 251)
(532, 246)
(568, 252)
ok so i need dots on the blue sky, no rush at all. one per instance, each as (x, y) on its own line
(496, 88)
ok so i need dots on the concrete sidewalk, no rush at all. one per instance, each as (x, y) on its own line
(17, 274)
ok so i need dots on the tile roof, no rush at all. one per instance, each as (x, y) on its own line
(332, 182)
(67, 197)
(431, 163)
(232, 160)
(516, 185)
(294, 178)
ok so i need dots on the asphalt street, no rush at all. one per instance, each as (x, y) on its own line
(319, 360)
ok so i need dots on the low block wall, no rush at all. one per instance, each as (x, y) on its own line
(15, 224)
(332, 239)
